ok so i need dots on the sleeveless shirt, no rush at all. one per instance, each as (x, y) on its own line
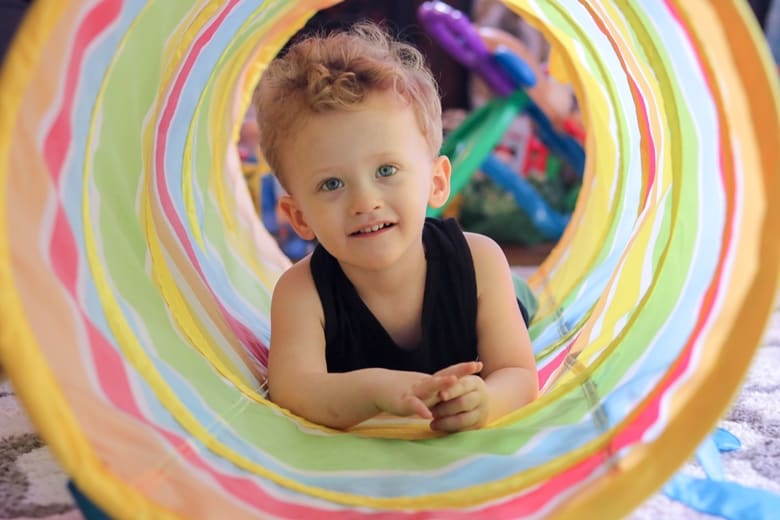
(354, 337)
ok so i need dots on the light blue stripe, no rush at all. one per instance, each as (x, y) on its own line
(186, 119)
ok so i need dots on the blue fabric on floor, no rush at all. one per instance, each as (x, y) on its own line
(715, 496)
(725, 499)
(88, 509)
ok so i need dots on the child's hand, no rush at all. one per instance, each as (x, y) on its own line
(422, 396)
(447, 377)
(463, 406)
(418, 393)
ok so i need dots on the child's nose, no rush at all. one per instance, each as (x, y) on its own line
(364, 200)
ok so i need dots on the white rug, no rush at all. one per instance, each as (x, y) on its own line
(755, 420)
(33, 486)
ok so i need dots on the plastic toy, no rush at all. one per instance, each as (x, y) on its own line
(508, 76)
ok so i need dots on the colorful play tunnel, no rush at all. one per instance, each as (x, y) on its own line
(136, 275)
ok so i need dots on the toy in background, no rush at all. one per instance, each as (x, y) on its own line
(250, 156)
(527, 145)
(277, 224)
(265, 191)
(494, 14)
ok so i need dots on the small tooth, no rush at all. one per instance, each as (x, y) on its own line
(373, 228)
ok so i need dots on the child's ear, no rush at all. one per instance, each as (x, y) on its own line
(440, 182)
(293, 213)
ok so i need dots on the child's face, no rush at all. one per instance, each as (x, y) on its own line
(360, 181)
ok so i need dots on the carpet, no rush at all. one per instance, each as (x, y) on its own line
(33, 487)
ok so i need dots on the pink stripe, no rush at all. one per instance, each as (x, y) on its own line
(115, 382)
(243, 334)
(644, 121)
(59, 137)
(547, 370)
(519, 505)
(534, 502)
(63, 252)
(651, 413)
(645, 130)
(63, 248)
(112, 371)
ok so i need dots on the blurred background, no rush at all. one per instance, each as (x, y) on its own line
(541, 153)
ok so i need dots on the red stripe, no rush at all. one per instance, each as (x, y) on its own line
(639, 101)
(650, 414)
(242, 333)
(112, 369)
(63, 250)
(63, 247)
(644, 123)
(59, 137)
(115, 381)
(552, 365)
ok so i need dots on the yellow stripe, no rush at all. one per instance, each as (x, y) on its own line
(221, 111)
(181, 42)
(186, 318)
(182, 312)
(747, 300)
(22, 336)
(20, 353)
(134, 354)
(576, 252)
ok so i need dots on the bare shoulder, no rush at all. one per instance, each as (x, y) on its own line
(487, 255)
(297, 336)
(295, 289)
(490, 264)
(297, 274)
(483, 246)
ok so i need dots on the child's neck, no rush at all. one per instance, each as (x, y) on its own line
(409, 271)
(395, 296)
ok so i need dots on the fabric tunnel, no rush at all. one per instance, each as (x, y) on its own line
(136, 276)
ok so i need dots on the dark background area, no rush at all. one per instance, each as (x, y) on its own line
(400, 17)
(11, 12)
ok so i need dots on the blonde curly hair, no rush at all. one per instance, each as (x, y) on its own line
(335, 72)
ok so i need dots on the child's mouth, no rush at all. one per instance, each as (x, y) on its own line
(370, 230)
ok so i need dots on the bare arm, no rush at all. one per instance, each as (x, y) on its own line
(297, 370)
(504, 345)
(509, 378)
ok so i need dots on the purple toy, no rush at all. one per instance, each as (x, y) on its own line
(454, 31)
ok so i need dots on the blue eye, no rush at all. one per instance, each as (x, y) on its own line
(386, 170)
(331, 184)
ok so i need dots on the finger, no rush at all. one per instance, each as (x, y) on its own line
(416, 406)
(465, 403)
(431, 386)
(464, 385)
(461, 369)
(456, 423)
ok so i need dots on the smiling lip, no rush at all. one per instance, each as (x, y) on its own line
(372, 230)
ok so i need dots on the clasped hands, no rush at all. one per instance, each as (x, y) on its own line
(454, 398)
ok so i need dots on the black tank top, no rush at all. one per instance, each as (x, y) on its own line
(354, 337)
